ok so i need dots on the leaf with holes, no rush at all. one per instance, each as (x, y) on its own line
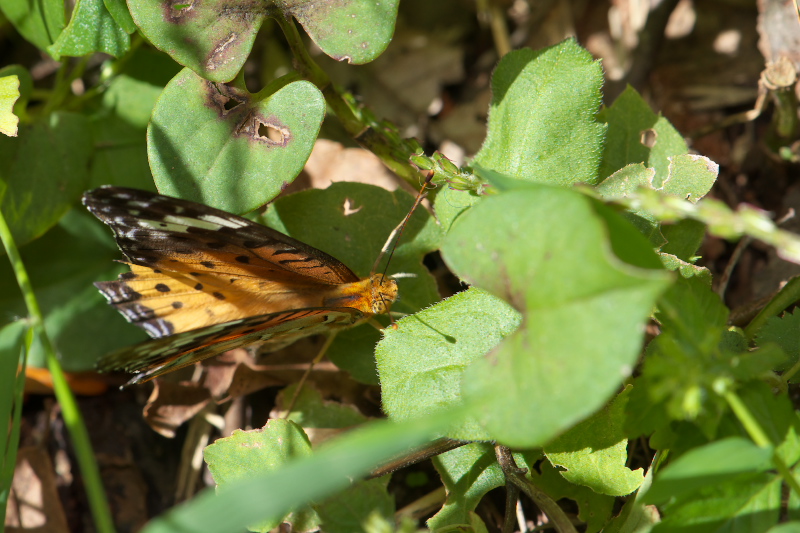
(356, 31)
(227, 148)
(214, 39)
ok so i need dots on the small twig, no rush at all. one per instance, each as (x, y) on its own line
(423, 505)
(515, 475)
(436, 447)
(743, 243)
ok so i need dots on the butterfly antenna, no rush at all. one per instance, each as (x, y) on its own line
(398, 231)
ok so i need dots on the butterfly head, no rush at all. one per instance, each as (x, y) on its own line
(384, 293)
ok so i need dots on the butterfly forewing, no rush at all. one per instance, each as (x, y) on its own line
(162, 232)
(193, 266)
(203, 281)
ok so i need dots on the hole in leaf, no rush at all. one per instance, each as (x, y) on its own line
(649, 138)
(349, 209)
(230, 103)
(270, 132)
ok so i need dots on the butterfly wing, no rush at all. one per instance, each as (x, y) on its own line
(194, 266)
(158, 356)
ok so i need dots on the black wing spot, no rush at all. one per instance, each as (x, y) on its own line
(161, 287)
(218, 295)
(198, 287)
(243, 259)
(156, 271)
(287, 261)
(208, 264)
(195, 274)
(177, 305)
(127, 275)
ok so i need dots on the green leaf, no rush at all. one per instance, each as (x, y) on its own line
(748, 504)
(693, 323)
(91, 29)
(594, 509)
(274, 493)
(40, 23)
(227, 148)
(542, 123)
(133, 92)
(468, 473)
(350, 509)
(708, 466)
(351, 222)
(788, 527)
(637, 135)
(246, 454)
(563, 278)
(785, 332)
(356, 31)
(119, 11)
(776, 416)
(120, 157)
(311, 411)
(626, 181)
(78, 320)
(452, 334)
(25, 88)
(9, 94)
(213, 39)
(450, 204)
(594, 452)
(690, 177)
(46, 170)
(685, 269)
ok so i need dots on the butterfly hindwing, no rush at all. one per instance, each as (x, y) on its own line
(158, 356)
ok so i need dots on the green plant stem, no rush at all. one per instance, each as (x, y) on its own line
(393, 155)
(108, 75)
(9, 458)
(789, 294)
(63, 85)
(761, 439)
(69, 408)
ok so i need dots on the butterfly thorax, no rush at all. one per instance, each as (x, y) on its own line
(372, 295)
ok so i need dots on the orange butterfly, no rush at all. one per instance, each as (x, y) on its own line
(203, 281)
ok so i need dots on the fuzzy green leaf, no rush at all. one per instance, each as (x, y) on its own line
(356, 31)
(594, 452)
(542, 124)
(591, 273)
(246, 454)
(638, 135)
(91, 29)
(452, 334)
